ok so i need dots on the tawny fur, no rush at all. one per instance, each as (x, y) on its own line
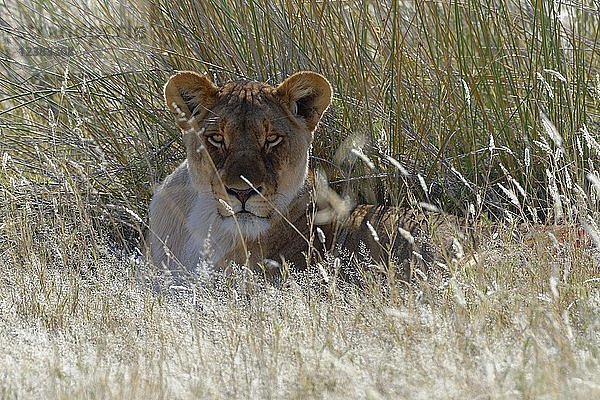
(249, 137)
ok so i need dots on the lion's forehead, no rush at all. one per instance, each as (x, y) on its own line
(247, 94)
(248, 108)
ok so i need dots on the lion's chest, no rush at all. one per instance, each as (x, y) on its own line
(208, 239)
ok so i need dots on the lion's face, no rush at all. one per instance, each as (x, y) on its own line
(248, 142)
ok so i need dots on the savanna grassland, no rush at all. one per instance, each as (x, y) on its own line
(490, 110)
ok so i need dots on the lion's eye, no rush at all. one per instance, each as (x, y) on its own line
(273, 140)
(216, 140)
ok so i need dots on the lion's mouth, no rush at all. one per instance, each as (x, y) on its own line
(240, 211)
(245, 215)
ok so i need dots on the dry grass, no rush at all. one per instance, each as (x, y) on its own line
(496, 104)
(85, 323)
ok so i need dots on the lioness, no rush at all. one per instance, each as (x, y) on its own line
(245, 193)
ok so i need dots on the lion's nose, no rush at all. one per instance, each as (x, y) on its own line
(242, 194)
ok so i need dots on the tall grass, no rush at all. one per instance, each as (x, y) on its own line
(492, 107)
(446, 85)
(456, 90)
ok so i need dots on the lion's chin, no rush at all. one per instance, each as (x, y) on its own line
(249, 225)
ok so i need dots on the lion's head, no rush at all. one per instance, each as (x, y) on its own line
(248, 142)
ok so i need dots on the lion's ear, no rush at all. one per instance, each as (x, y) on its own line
(308, 95)
(188, 95)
